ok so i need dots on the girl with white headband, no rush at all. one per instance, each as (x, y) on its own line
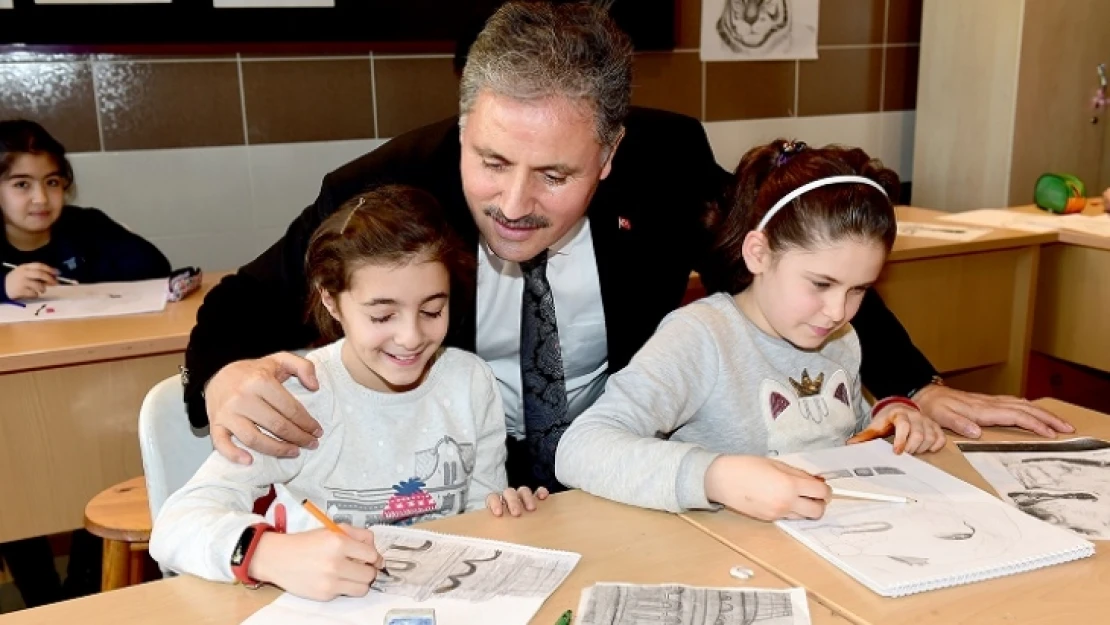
(766, 365)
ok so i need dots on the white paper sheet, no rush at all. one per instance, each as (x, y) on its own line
(1000, 218)
(629, 604)
(467, 581)
(952, 534)
(1066, 483)
(82, 301)
(258, 4)
(1098, 225)
(940, 231)
(782, 29)
(5, 4)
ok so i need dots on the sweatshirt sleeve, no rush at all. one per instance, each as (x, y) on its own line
(616, 448)
(489, 417)
(199, 525)
(197, 528)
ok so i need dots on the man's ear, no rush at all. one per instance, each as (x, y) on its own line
(607, 166)
(756, 252)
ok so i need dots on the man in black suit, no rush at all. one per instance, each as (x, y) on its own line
(587, 217)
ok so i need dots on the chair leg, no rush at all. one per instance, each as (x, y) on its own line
(138, 563)
(117, 561)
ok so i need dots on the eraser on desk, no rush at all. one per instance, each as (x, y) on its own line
(414, 616)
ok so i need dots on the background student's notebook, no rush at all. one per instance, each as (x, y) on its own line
(953, 534)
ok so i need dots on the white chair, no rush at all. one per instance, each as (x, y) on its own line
(172, 450)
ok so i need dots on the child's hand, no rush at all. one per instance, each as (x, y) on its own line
(319, 564)
(515, 500)
(29, 280)
(766, 489)
(913, 431)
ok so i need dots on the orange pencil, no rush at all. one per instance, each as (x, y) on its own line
(328, 523)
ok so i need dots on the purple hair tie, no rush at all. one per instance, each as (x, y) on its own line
(789, 149)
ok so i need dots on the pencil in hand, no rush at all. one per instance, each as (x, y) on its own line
(328, 523)
(859, 494)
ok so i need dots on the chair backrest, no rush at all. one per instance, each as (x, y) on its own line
(172, 450)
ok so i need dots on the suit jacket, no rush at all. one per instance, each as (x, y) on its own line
(646, 221)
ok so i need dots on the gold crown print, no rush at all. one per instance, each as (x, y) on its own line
(808, 387)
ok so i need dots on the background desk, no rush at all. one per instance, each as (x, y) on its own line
(617, 543)
(1069, 593)
(71, 392)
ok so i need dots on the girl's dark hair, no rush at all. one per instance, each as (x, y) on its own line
(820, 216)
(390, 225)
(22, 136)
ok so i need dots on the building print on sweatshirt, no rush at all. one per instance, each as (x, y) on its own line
(809, 413)
(435, 486)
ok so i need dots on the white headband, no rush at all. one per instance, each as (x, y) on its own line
(816, 184)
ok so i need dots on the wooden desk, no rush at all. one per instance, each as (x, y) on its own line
(1070, 593)
(967, 305)
(71, 394)
(617, 543)
(1073, 296)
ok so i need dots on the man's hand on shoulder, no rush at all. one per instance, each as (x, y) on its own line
(248, 395)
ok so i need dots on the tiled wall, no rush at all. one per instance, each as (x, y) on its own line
(210, 157)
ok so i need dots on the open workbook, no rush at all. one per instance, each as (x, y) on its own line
(952, 534)
(468, 581)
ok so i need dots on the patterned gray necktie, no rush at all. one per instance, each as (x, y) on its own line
(541, 373)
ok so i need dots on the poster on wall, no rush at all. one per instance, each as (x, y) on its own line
(258, 4)
(758, 30)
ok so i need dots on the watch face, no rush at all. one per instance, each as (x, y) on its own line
(240, 552)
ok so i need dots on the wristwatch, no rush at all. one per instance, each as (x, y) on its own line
(244, 552)
(936, 379)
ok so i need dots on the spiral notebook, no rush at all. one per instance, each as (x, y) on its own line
(952, 534)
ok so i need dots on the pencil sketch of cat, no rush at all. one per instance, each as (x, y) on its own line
(622, 604)
(755, 26)
(421, 567)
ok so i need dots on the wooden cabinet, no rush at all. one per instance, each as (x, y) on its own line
(1004, 94)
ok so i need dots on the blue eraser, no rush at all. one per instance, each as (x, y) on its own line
(413, 616)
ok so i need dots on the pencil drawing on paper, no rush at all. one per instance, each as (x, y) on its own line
(423, 565)
(759, 29)
(1066, 484)
(626, 604)
(885, 538)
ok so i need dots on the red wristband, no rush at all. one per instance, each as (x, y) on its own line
(893, 399)
(244, 552)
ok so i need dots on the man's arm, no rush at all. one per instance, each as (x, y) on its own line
(256, 311)
(892, 364)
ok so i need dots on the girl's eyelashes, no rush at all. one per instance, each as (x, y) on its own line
(427, 313)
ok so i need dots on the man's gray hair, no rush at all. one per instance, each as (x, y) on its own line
(533, 50)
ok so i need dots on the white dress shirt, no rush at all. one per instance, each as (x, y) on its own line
(572, 273)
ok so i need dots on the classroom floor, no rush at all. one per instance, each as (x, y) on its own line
(10, 599)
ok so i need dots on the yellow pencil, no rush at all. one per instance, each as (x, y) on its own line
(328, 523)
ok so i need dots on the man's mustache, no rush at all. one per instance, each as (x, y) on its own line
(528, 221)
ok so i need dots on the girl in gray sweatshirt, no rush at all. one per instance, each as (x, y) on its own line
(766, 365)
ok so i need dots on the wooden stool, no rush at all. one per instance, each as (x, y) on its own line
(121, 516)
